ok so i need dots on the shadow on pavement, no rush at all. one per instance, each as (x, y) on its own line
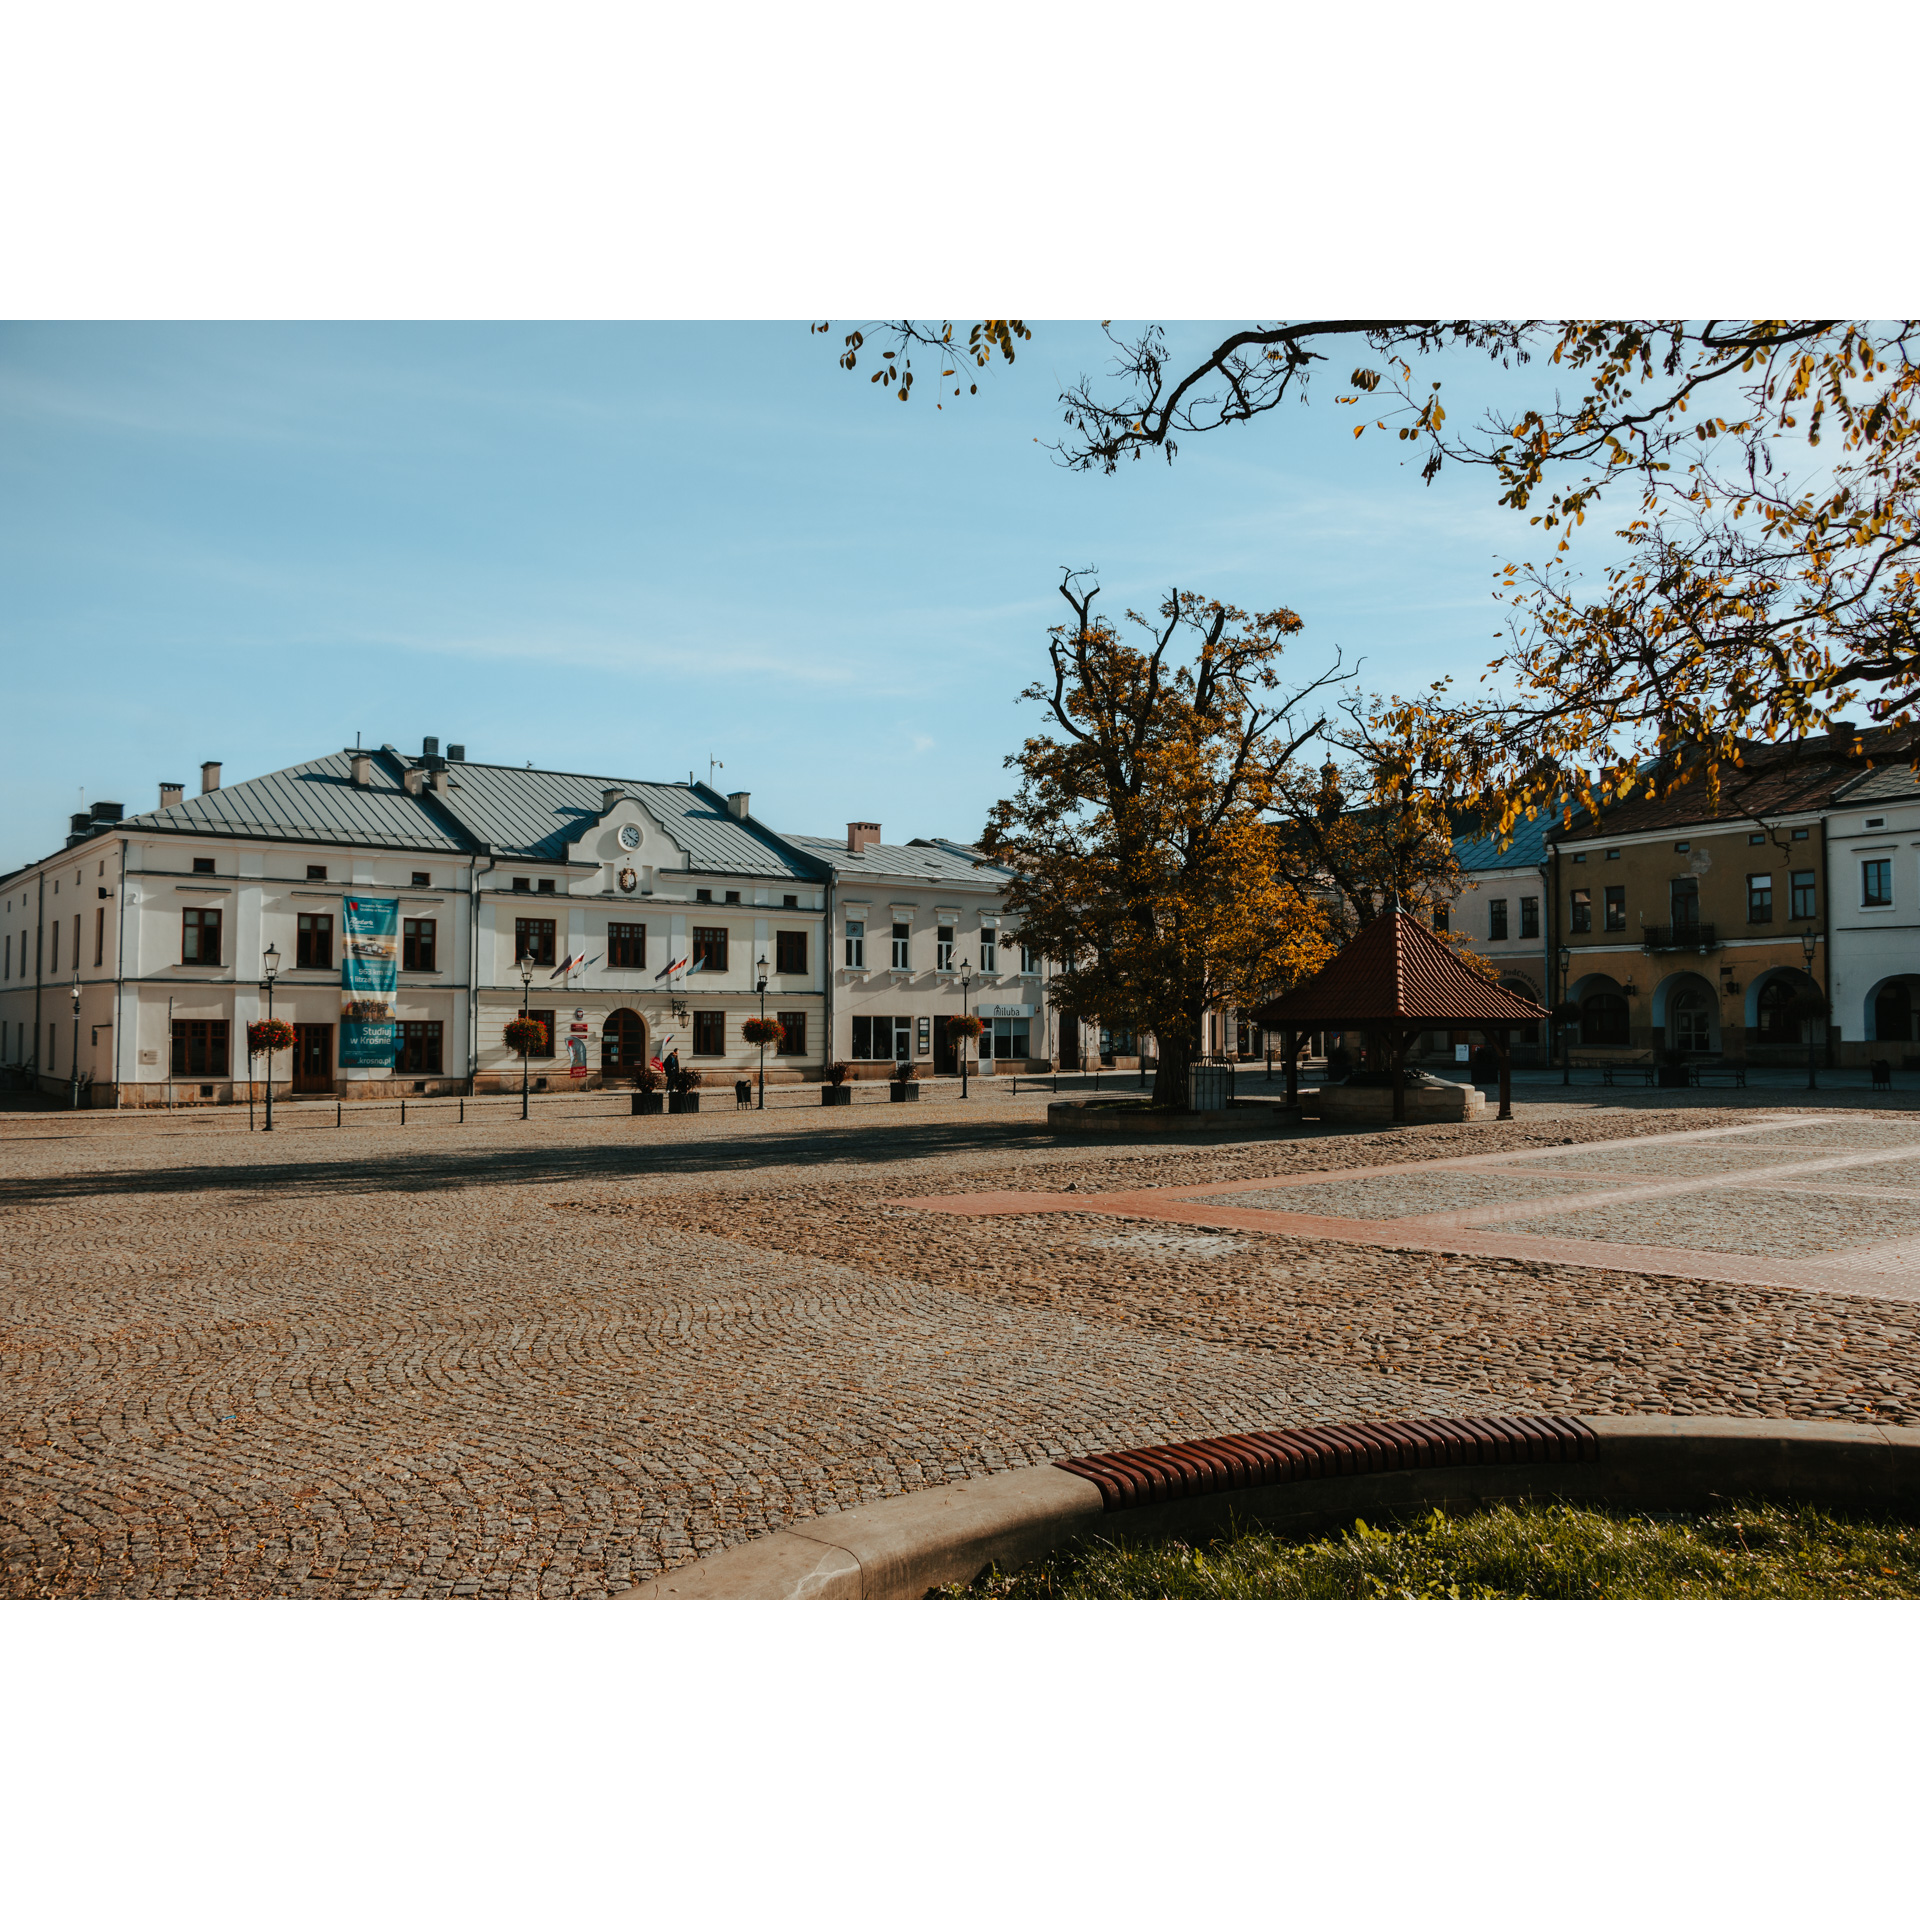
(533, 1163)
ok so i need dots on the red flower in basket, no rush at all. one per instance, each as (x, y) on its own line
(269, 1036)
(527, 1036)
(763, 1033)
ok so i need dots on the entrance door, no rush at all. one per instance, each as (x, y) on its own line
(313, 1059)
(1069, 1044)
(1692, 1024)
(623, 1044)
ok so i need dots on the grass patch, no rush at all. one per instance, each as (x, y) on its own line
(1523, 1552)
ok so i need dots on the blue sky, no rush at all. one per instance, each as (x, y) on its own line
(624, 548)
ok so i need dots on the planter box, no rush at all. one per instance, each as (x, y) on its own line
(683, 1103)
(902, 1090)
(1374, 1105)
(1139, 1116)
(648, 1102)
(836, 1096)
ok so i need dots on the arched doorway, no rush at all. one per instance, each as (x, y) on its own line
(1690, 1021)
(1893, 1014)
(623, 1045)
(1603, 1019)
(1773, 1009)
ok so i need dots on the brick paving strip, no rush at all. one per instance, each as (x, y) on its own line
(1890, 1270)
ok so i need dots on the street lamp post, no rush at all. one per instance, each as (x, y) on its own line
(526, 984)
(75, 1092)
(966, 980)
(760, 968)
(269, 966)
(1807, 939)
(1566, 1032)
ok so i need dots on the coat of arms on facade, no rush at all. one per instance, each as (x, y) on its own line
(628, 879)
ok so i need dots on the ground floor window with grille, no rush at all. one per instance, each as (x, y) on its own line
(201, 1047)
(794, 1027)
(420, 1047)
(882, 1036)
(1004, 1039)
(709, 1033)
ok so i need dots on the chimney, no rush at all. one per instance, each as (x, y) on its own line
(209, 776)
(414, 780)
(430, 747)
(440, 779)
(455, 753)
(862, 833)
(362, 765)
(171, 793)
(610, 797)
(738, 804)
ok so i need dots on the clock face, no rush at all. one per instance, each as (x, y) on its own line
(629, 837)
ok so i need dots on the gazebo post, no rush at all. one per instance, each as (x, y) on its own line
(1290, 1036)
(1502, 1038)
(1398, 1040)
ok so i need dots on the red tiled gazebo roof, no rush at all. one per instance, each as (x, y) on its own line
(1397, 972)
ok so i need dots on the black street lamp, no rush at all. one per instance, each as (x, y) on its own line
(760, 968)
(1566, 1032)
(1807, 939)
(269, 966)
(526, 984)
(76, 1038)
(966, 980)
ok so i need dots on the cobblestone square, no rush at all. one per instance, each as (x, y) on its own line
(552, 1359)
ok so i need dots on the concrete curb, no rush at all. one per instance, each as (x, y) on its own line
(901, 1548)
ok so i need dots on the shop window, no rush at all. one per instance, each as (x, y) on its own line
(420, 1046)
(881, 1036)
(1004, 1039)
(200, 1047)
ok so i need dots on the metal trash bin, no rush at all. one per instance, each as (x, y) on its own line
(1209, 1089)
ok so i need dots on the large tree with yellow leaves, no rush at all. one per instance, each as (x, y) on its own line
(1141, 838)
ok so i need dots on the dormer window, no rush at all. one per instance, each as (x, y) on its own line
(733, 897)
(790, 900)
(546, 886)
(199, 866)
(521, 884)
(703, 893)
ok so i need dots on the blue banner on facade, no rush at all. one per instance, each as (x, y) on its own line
(368, 1035)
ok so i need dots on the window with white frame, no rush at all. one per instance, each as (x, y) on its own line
(1876, 883)
(856, 943)
(1029, 959)
(902, 946)
(943, 950)
(989, 950)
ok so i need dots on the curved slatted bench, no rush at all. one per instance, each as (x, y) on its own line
(899, 1549)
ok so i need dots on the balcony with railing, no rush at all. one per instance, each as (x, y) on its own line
(1683, 936)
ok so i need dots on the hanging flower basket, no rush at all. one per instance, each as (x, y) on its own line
(966, 1026)
(269, 1036)
(527, 1036)
(763, 1033)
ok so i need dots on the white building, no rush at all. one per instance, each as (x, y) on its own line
(1873, 891)
(920, 933)
(148, 936)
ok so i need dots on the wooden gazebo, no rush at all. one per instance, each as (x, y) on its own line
(1393, 982)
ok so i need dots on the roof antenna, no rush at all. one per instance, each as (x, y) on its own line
(356, 739)
(714, 766)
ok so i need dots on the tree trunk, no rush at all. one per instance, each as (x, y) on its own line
(1178, 1050)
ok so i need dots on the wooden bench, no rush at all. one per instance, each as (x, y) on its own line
(1635, 1063)
(1723, 1076)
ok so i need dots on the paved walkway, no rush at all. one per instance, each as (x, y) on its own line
(554, 1358)
(1814, 1201)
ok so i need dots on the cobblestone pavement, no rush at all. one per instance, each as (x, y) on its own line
(552, 1359)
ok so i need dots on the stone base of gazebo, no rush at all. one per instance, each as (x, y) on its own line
(1372, 1106)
